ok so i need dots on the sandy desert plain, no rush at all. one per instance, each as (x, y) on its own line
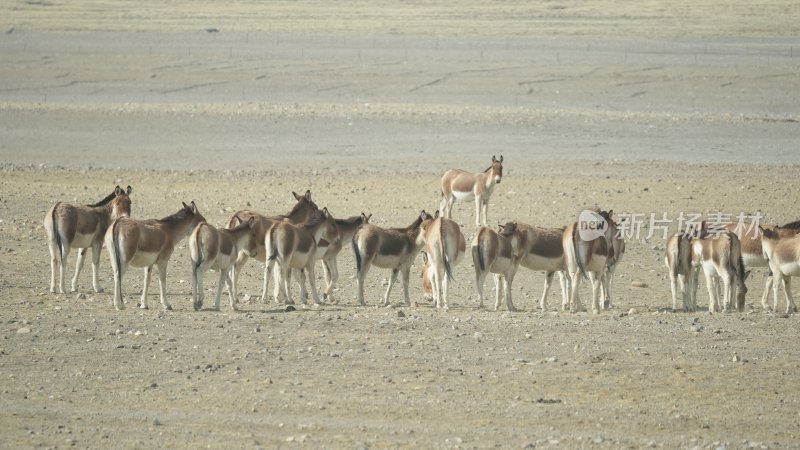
(642, 107)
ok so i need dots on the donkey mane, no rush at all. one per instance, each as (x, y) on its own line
(353, 220)
(298, 205)
(792, 225)
(105, 201)
(317, 218)
(177, 217)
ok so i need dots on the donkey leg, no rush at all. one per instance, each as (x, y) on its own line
(62, 269)
(445, 283)
(196, 289)
(480, 277)
(712, 293)
(767, 289)
(509, 278)
(485, 211)
(301, 281)
(78, 268)
(146, 284)
(596, 282)
(96, 251)
(498, 290)
(312, 282)
(574, 300)
(267, 269)
(223, 276)
(231, 280)
(162, 284)
(360, 277)
(406, 273)
(478, 209)
(392, 279)
(787, 290)
(54, 262)
(548, 281)
(563, 280)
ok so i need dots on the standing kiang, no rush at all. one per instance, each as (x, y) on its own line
(82, 226)
(461, 185)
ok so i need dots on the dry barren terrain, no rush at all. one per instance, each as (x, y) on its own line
(642, 107)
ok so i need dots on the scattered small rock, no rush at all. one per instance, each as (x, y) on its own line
(80, 296)
(290, 308)
(24, 330)
(735, 358)
(639, 284)
(401, 314)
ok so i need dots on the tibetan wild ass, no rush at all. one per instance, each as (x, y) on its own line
(719, 255)
(499, 253)
(347, 228)
(217, 249)
(144, 243)
(444, 248)
(388, 248)
(678, 259)
(753, 254)
(586, 255)
(460, 185)
(544, 253)
(301, 212)
(69, 226)
(615, 251)
(298, 247)
(783, 252)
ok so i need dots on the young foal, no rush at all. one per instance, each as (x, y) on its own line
(783, 251)
(444, 248)
(460, 185)
(217, 249)
(298, 247)
(388, 248)
(720, 257)
(499, 253)
(545, 253)
(69, 226)
(144, 243)
(347, 228)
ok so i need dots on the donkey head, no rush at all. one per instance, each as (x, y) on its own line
(251, 246)
(121, 203)
(497, 169)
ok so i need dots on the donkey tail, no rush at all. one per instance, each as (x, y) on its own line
(443, 248)
(575, 248)
(271, 245)
(477, 255)
(116, 254)
(356, 253)
(56, 232)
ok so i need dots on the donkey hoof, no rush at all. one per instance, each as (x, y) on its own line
(168, 307)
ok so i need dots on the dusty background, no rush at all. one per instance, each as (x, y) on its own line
(643, 107)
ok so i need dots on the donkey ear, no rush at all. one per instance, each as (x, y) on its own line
(308, 195)
(194, 207)
(117, 190)
(423, 215)
(436, 214)
(296, 195)
(325, 212)
(501, 159)
(493, 158)
(610, 213)
(185, 205)
(129, 190)
(252, 220)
